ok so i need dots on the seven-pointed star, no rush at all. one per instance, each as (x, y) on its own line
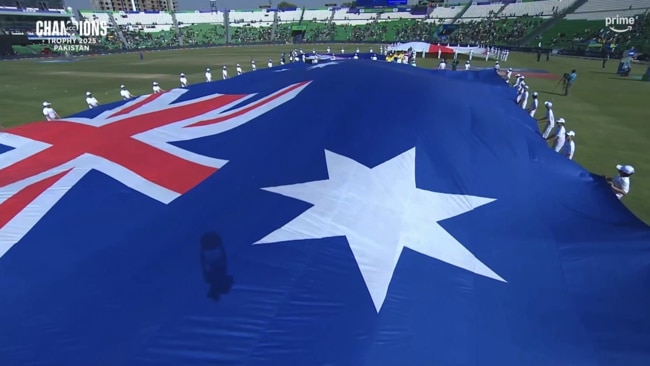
(380, 211)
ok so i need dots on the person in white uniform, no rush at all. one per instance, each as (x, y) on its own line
(125, 93)
(239, 70)
(524, 98)
(91, 101)
(156, 88)
(533, 105)
(559, 137)
(520, 92)
(549, 118)
(224, 73)
(208, 75)
(183, 80)
(253, 66)
(443, 64)
(467, 65)
(269, 64)
(569, 148)
(49, 112)
(497, 67)
(509, 75)
(621, 183)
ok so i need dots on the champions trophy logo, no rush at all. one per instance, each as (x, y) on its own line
(70, 28)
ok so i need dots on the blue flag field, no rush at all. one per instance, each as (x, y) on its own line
(344, 213)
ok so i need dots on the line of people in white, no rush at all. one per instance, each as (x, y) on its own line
(556, 133)
(555, 130)
(92, 102)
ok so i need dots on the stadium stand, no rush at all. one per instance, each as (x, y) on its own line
(585, 27)
(580, 33)
(543, 9)
(147, 22)
(475, 12)
(599, 9)
(499, 24)
(446, 14)
(495, 31)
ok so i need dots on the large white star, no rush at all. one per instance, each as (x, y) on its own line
(380, 211)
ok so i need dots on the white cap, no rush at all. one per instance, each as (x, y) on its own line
(237, 65)
(523, 77)
(122, 86)
(182, 74)
(534, 94)
(561, 120)
(497, 62)
(208, 69)
(548, 104)
(571, 133)
(155, 83)
(88, 93)
(253, 61)
(627, 169)
(224, 67)
(45, 104)
(518, 75)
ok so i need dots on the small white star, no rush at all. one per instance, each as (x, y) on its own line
(380, 211)
(320, 66)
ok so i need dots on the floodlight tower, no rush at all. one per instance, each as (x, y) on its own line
(213, 6)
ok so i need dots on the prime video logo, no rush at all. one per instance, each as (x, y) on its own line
(63, 28)
(620, 24)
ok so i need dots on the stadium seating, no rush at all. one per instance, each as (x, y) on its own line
(497, 24)
(317, 15)
(190, 18)
(578, 33)
(96, 15)
(544, 9)
(496, 31)
(481, 11)
(445, 13)
(254, 18)
(160, 19)
(599, 9)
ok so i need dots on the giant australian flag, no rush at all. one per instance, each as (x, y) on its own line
(344, 213)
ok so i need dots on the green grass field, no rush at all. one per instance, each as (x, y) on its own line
(607, 112)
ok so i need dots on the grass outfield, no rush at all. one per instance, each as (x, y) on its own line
(608, 113)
